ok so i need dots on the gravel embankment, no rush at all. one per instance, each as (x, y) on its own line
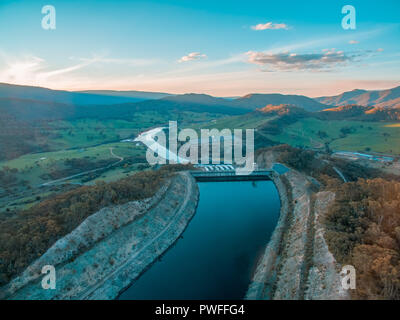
(112, 247)
(297, 263)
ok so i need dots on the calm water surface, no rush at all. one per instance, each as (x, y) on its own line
(220, 247)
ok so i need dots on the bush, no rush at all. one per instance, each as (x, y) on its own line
(363, 229)
(27, 234)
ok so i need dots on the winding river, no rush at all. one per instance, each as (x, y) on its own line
(220, 247)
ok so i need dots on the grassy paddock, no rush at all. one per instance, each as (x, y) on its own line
(363, 136)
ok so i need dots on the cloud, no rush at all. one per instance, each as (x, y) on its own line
(353, 42)
(192, 56)
(287, 61)
(17, 69)
(120, 61)
(30, 69)
(57, 72)
(270, 26)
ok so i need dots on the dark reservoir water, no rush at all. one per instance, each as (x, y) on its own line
(220, 247)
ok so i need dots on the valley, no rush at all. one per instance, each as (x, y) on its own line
(77, 160)
(191, 156)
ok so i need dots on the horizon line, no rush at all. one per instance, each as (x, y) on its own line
(187, 93)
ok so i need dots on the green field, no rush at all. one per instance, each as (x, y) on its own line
(89, 141)
(250, 121)
(89, 132)
(34, 170)
(92, 140)
(45, 160)
(364, 136)
(80, 133)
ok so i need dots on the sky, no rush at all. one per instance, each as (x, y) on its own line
(223, 48)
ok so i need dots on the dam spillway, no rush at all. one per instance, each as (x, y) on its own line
(231, 175)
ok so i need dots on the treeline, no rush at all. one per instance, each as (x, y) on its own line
(320, 166)
(363, 224)
(286, 115)
(18, 138)
(363, 230)
(361, 113)
(27, 234)
(76, 165)
(8, 176)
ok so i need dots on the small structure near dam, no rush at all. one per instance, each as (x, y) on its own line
(228, 173)
(363, 156)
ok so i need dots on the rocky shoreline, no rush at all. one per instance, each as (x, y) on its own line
(297, 263)
(112, 247)
(264, 277)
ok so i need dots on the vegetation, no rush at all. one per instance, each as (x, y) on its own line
(19, 137)
(349, 128)
(8, 177)
(40, 142)
(363, 230)
(75, 166)
(342, 135)
(284, 115)
(356, 112)
(321, 166)
(363, 224)
(26, 235)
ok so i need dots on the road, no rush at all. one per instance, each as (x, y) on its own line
(131, 260)
(340, 174)
(120, 159)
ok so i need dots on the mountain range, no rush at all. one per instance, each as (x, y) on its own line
(25, 110)
(27, 103)
(144, 95)
(62, 96)
(389, 98)
(347, 112)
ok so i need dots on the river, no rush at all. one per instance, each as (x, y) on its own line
(220, 247)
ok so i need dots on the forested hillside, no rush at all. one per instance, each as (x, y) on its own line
(27, 234)
(363, 230)
(380, 98)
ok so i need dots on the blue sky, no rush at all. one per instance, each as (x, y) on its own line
(224, 48)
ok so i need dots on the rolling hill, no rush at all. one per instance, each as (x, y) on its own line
(34, 110)
(283, 109)
(350, 128)
(249, 102)
(18, 137)
(380, 98)
(60, 96)
(144, 95)
(26, 112)
(125, 102)
(356, 112)
(347, 112)
(256, 101)
(30, 110)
